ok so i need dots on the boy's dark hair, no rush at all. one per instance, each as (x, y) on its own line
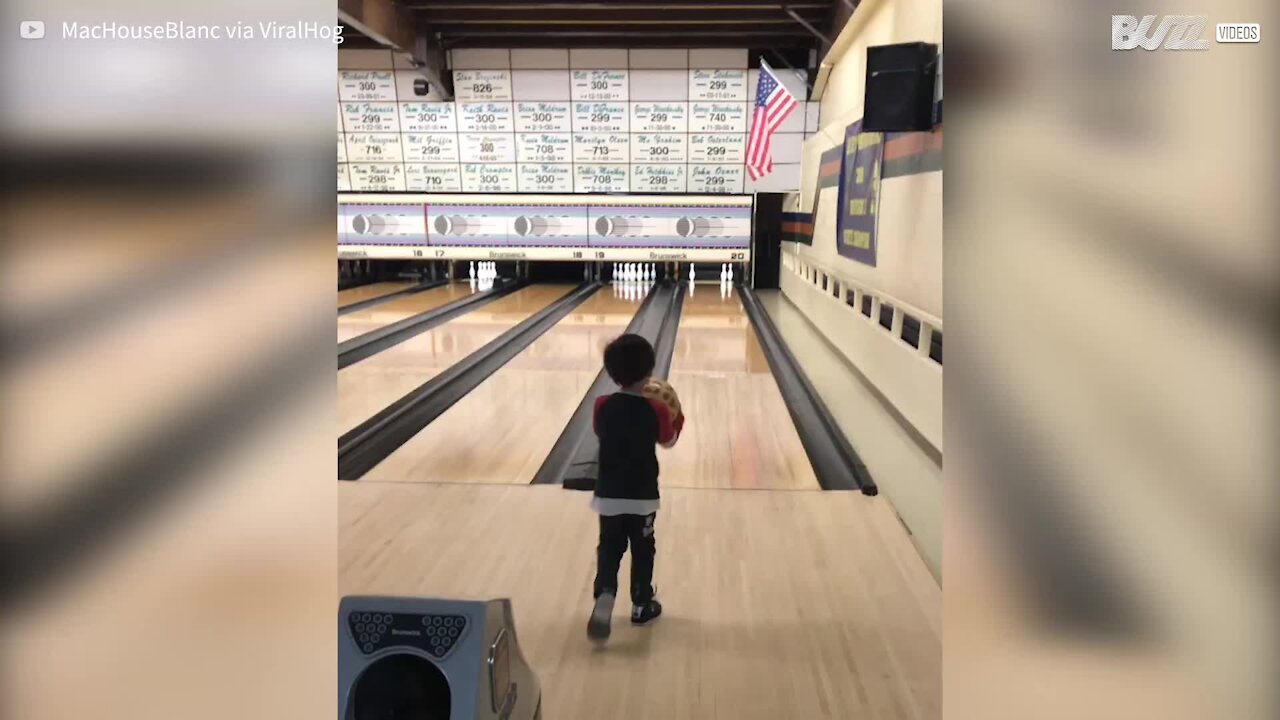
(628, 359)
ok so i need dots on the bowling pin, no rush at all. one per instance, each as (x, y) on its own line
(471, 273)
(692, 277)
(731, 274)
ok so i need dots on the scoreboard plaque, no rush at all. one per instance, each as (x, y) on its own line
(600, 147)
(600, 117)
(342, 148)
(488, 147)
(658, 148)
(718, 117)
(545, 178)
(428, 117)
(600, 178)
(371, 117)
(478, 177)
(425, 177)
(718, 85)
(482, 85)
(543, 117)
(374, 147)
(713, 179)
(366, 85)
(344, 179)
(486, 117)
(598, 85)
(376, 177)
(659, 117)
(544, 148)
(658, 178)
(722, 148)
(431, 147)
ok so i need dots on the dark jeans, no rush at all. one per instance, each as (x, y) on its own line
(615, 532)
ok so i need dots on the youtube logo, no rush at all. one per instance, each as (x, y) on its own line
(31, 29)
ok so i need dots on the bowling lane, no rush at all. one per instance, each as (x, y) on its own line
(502, 430)
(379, 380)
(363, 321)
(738, 433)
(371, 291)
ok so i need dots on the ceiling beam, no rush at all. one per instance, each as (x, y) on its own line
(381, 20)
(660, 40)
(806, 25)
(619, 33)
(840, 14)
(437, 16)
(388, 24)
(621, 5)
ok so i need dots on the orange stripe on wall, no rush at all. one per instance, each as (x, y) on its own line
(913, 144)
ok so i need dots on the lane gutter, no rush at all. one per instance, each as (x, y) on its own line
(835, 463)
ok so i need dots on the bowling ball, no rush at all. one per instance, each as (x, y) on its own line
(662, 391)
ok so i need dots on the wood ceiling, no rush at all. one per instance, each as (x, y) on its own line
(755, 24)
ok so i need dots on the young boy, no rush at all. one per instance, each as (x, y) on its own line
(629, 425)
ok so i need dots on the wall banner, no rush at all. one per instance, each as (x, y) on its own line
(859, 194)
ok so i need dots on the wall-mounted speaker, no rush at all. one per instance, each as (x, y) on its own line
(900, 87)
(430, 659)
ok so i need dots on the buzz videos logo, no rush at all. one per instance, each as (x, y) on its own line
(1175, 32)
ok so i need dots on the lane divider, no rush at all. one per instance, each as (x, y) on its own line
(835, 463)
(370, 442)
(375, 341)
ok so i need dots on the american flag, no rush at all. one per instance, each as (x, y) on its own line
(773, 105)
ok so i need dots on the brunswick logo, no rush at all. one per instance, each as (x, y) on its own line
(1177, 32)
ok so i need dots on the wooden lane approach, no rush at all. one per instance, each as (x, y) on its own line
(768, 614)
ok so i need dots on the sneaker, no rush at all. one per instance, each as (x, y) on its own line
(598, 625)
(641, 614)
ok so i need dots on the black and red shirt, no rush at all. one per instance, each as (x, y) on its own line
(630, 426)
